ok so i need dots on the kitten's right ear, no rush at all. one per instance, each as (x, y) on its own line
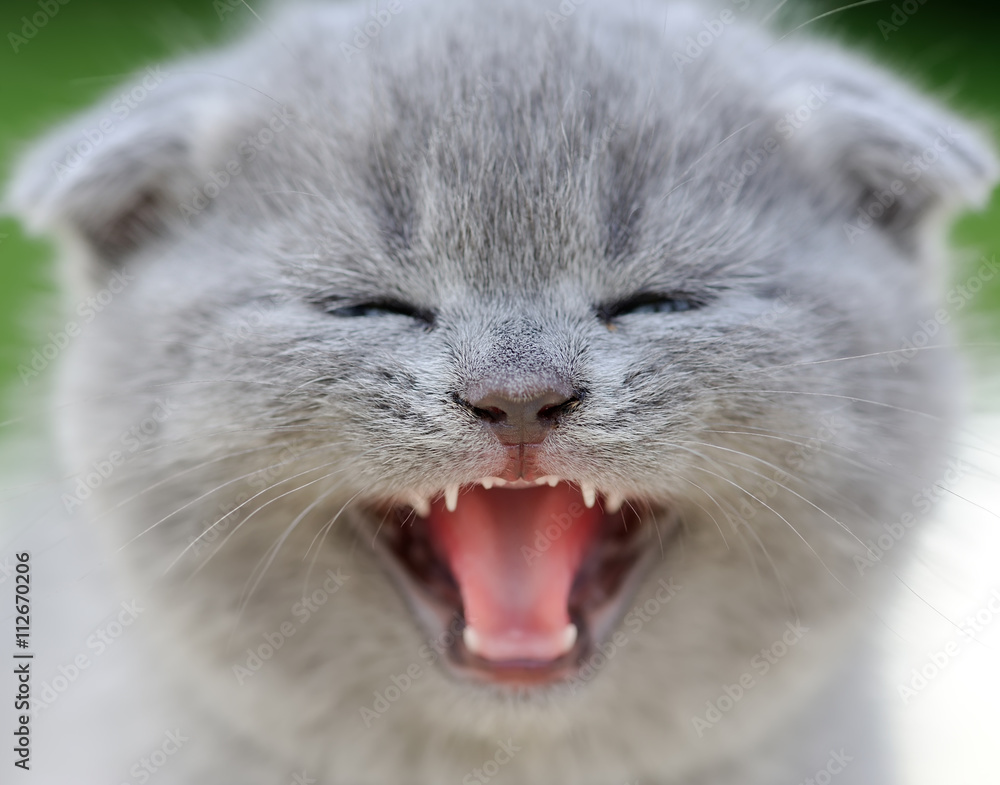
(113, 178)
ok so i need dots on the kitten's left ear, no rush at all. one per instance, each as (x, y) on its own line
(905, 162)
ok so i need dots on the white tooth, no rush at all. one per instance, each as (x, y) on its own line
(451, 497)
(486, 482)
(552, 480)
(471, 639)
(589, 493)
(541, 480)
(613, 502)
(498, 482)
(569, 637)
(420, 505)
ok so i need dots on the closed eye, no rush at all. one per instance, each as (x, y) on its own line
(649, 303)
(377, 308)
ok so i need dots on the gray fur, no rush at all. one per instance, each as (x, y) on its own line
(510, 175)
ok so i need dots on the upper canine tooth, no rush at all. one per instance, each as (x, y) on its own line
(421, 506)
(613, 502)
(589, 493)
(451, 497)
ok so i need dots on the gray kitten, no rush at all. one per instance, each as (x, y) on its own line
(498, 393)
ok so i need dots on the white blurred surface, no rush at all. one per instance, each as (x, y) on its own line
(950, 729)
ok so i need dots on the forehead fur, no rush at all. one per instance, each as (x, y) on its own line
(464, 156)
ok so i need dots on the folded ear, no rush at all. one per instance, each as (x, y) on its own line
(904, 165)
(113, 178)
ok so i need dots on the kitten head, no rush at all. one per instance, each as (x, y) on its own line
(547, 363)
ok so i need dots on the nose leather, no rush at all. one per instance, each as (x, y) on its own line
(525, 419)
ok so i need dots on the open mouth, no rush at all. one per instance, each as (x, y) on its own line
(535, 572)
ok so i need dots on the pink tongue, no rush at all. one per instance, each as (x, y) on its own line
(515, 554)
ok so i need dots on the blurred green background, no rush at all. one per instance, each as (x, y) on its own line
(89, 46)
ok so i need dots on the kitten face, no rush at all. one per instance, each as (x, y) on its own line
(498, 340)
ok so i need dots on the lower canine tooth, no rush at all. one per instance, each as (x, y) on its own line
(589, 494)
(451, 497)
(569, 637)
(471, 640)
